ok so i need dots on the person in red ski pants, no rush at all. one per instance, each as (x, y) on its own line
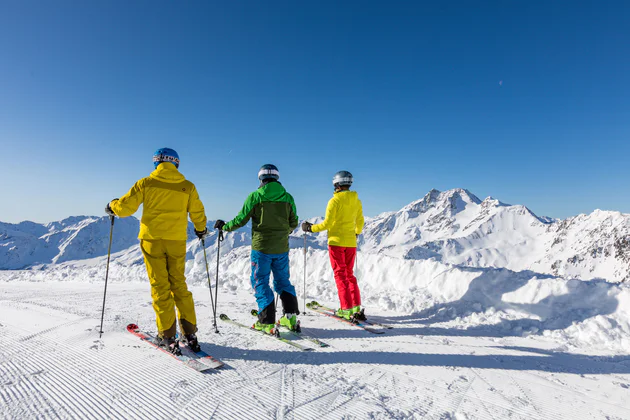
(344, 222)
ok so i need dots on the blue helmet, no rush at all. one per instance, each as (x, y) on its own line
(268, 171)
(165, 155)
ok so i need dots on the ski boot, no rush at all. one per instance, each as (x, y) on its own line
(358, 313)
(191, 341)
(344, 313)
(169, 344)
(266, 328)
(291, 322)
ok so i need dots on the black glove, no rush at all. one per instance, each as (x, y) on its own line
(201, 233)
(306, 227)
(219, 224)
(109, 210)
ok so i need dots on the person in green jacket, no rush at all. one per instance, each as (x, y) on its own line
(272, 211)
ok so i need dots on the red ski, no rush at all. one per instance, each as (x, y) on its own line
(199, 361)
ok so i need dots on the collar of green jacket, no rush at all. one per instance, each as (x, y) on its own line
(272, 191)
(167, 172)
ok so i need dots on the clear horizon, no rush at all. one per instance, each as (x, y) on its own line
(139, 213)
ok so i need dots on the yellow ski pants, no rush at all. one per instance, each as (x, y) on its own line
(166, 261)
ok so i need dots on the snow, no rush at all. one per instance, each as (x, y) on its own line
(515, 303)
(457, 228)
(420, 369)
(488, 323)
(27, 244)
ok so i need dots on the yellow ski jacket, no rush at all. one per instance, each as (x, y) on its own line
(168, 199)
(344, 219)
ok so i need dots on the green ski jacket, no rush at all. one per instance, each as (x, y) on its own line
(273, 215)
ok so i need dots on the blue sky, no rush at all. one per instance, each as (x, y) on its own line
(525, 101)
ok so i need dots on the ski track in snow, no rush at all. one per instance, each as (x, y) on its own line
(53, 365)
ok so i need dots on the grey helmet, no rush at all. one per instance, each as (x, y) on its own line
(268, 171)
(342, 178)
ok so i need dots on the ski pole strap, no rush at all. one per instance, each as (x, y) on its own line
(220, 235)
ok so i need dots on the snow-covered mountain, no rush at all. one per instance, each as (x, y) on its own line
(454, 227)
(29, 244)
(26, 244)
(457, 227)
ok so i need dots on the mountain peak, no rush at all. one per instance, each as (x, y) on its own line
(493, 202)
(455, 199)
(426, 202)
(464, 194)
(431, 196)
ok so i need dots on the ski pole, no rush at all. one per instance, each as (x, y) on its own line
(216, 285)
(109, 253)
(304, 288)
(356, 258)
(205, 257)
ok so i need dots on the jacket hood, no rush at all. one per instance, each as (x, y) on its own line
(272, 191)
(167, 172)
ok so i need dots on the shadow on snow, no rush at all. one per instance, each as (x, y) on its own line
(540, 360)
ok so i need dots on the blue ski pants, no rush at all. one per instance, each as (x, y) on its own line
(262, 266)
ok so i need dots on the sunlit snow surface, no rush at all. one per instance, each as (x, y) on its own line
(53, 365)
(498, 313)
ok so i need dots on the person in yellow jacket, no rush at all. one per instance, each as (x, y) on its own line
(167, 198)
(344, 222)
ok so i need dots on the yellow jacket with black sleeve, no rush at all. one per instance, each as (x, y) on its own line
(344, 219)
(167, 198)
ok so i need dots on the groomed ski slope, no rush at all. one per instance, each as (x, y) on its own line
(432, 365)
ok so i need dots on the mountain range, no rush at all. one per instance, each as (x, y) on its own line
(454, 227)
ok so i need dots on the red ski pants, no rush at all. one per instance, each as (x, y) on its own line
(342, 261)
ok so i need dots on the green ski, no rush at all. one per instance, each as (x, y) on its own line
(298, 333)
(277, 336)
